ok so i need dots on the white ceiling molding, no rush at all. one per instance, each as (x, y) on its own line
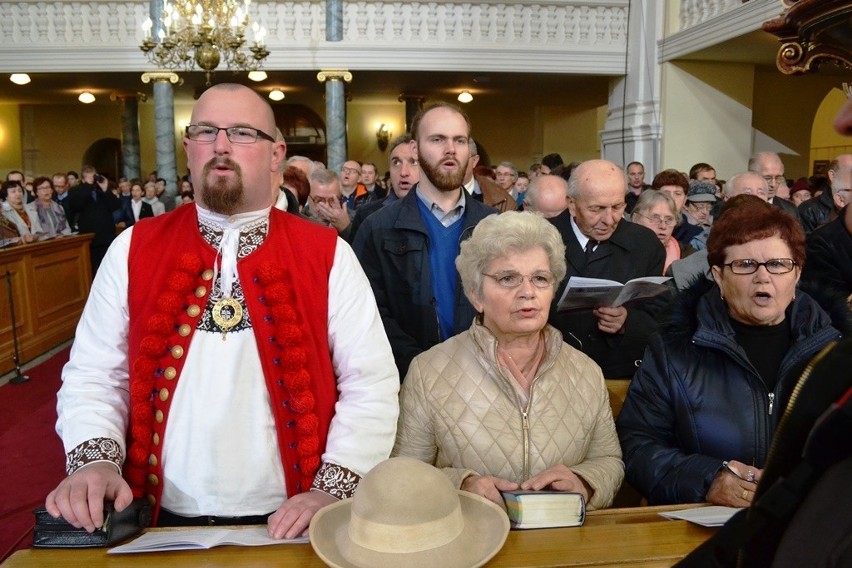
(739, 19)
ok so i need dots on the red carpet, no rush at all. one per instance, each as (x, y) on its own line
(31, 456)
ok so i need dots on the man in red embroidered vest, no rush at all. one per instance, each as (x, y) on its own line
(230, 365)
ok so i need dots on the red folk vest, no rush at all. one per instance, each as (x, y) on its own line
(285, 285)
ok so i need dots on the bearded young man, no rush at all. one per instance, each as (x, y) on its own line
(408, 249)
(228, 353)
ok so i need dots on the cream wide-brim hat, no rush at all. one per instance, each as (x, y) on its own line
(407, 513)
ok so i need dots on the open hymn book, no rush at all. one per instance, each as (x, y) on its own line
(544, 509)
(200, 539)
(588, 293)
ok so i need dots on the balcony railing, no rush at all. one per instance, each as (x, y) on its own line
(574, 36)
(704, 23)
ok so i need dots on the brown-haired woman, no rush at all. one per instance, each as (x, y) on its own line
(703, 406)
(46, 215)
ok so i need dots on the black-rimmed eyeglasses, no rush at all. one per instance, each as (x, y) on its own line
(750, 266)
(206, 133)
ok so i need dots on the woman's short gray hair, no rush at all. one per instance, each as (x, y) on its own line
(499, 235)
(649, 199)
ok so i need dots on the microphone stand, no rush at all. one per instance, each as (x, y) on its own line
(19, 376)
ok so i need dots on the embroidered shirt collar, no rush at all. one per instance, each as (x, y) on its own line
(229, 246)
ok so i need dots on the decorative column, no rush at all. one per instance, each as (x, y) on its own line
(130, 153)
(333, 20)
(335, 114)
(164, 117)
(413, 104)
(335, 91)
(633, 130)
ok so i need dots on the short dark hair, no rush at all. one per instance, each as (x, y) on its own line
(40, 180)
(748, 218)
(15, 172)
(4, 189)
(627, 167)
(415, 122)
(552, 161)
(698, 168)
(670, 177)
(404, 139)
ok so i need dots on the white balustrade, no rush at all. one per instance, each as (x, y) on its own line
(524, 35)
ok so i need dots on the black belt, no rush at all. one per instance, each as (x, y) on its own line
(168, 519)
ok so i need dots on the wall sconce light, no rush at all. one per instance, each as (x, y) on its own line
(257, 76)
(383, 136)
(86, 97)
(19, 78)
(465, 97)
(276, 94)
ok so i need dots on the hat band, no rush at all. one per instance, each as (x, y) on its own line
(381, 537)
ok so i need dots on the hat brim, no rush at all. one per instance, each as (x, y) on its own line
(486, 527)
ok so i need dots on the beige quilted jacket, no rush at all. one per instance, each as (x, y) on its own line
(460, 412)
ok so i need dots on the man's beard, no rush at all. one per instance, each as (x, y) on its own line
(222, 196)
(444, 181)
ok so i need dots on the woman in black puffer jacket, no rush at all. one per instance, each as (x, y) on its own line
(704, 403)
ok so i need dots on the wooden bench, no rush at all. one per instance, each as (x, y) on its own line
(617, 393)
(626, 496)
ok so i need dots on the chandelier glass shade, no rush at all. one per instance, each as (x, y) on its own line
(204, 33)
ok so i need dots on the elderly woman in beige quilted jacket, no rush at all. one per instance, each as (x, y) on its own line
(507, 404)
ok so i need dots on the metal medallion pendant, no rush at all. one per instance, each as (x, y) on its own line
(227, 312)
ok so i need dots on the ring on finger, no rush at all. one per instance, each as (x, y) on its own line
(745, 493)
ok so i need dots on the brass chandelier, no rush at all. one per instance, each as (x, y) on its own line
(204, 32)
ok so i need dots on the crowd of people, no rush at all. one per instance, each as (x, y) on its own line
(41, 208)
(418, 317)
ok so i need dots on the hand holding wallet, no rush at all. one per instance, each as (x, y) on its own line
(50, 532)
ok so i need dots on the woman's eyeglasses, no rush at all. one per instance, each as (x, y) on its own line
(515, 279)
(750, 266)
(657, 220)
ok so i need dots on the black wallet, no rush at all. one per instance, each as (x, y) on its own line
(58, 533)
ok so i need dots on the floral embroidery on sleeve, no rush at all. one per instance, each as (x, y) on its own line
(94, 450)
(336, 480)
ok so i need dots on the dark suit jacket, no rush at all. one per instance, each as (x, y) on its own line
(787, 207)
(93, 214)
(127, 212)
(829, 257)
(633, 251)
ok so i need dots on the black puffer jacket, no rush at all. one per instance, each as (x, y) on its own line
(696, 400)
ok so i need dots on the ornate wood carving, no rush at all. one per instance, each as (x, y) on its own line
(813, 32)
